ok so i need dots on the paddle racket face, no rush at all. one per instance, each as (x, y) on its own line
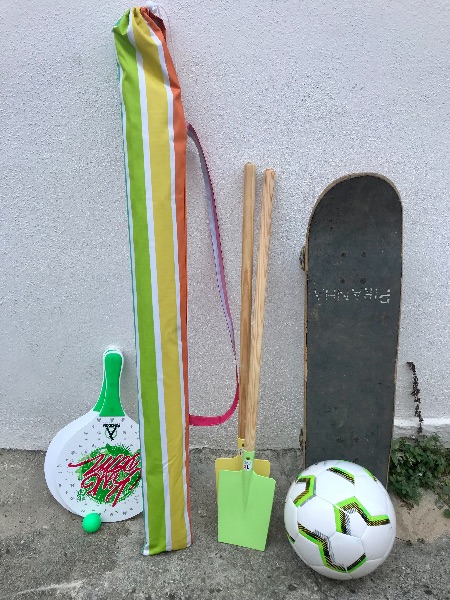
(54, 450)
(67, 432)
(99, 467)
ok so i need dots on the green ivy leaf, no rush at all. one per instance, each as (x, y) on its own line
(422, 462)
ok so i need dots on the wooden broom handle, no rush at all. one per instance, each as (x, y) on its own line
(248, 215)
(258, 311)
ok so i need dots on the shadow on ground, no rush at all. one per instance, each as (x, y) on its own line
(44, 553)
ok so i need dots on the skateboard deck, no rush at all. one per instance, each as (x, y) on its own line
(353, 265)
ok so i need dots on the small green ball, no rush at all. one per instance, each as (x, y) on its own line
(91, 522)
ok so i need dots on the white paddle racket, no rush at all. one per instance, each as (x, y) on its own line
(60, 439)
(99, 467)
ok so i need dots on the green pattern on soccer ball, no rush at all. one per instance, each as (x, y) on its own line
(358, 562)
(308, 492)
(350, 505)
(345, 474)
(290, 538)
(324, 549)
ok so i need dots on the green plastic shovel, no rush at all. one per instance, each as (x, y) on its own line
(244, 498)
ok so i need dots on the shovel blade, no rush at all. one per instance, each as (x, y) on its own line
(261, 467)
(244, 508)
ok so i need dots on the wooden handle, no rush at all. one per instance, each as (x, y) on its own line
(258, 311)
(248, 216)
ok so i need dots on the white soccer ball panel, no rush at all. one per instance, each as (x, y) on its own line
(345, 550)
(333, 487)
(366, 568)
(377, 541)
(332, 574)
(371, 494)
(392, 518)
(319, 467)
(317, 515)
(388, 551)
(357, 524)
(308, 551)
(290, 518)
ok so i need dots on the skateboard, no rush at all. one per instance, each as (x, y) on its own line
(353, 265)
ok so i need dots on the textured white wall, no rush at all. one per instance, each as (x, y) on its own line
(313, 89)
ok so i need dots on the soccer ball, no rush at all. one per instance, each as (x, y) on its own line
(339, 519)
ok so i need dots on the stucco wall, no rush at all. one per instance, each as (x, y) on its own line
(315, 90)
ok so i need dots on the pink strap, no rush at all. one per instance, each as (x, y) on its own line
(220, 273)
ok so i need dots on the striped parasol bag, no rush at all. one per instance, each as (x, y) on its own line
(154, 139)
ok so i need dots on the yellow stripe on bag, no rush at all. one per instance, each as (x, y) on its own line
(160, 138)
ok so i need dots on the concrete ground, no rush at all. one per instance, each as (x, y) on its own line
(45, 554)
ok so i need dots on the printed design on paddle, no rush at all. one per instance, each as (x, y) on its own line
(108, 475)
(111, 430)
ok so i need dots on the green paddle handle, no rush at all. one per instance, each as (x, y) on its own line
(258, 311)
(112, 406)
(101, 398)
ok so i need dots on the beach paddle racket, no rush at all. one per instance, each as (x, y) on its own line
(99, 467)
(60, 439)
(245, 498)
